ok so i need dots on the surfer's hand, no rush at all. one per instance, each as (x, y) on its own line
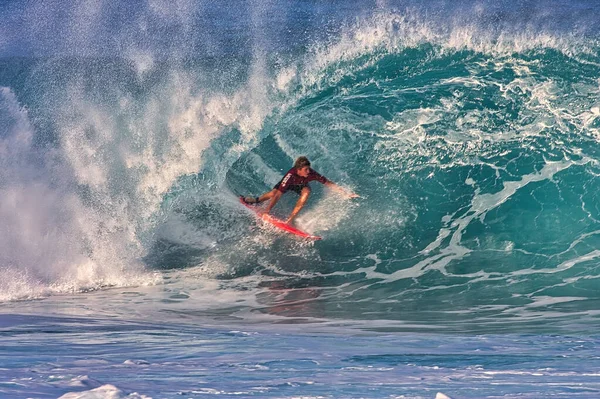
(353, 195)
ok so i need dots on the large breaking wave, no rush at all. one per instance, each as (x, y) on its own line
(474, 149)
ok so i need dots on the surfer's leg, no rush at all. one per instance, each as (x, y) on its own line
(304, 194)
(266, 196)
(258, 200)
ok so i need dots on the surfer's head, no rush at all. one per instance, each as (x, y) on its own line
(302, 165)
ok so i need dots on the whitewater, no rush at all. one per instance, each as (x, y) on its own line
(467, 269)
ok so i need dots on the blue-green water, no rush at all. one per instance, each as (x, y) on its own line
(470, 131)
(477, 166)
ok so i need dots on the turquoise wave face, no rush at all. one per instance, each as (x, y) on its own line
(478, 173)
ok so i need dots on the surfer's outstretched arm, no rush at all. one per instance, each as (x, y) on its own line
(341, 190)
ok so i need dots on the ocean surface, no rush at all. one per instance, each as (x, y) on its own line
(468, 268)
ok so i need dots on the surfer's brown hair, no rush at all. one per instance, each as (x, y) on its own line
(301, 162)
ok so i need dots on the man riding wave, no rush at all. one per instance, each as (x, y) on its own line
(296, 179)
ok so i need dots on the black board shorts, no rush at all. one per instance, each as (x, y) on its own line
(297, 188)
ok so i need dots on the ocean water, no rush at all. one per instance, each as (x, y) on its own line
(469, 267)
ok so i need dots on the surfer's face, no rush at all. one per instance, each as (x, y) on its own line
(304, 171)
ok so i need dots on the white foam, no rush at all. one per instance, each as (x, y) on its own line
(394, 31)
(124, 156)
(326, 214)
(107, 391)
(47, 236)
(143, 61)
(541, 301)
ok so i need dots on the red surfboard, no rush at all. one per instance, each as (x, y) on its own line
(280, 224)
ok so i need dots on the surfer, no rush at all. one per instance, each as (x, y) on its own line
(296, 179)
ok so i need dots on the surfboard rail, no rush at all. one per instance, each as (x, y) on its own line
(278, 223)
